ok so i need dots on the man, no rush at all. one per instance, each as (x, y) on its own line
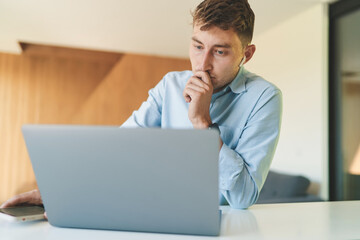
(217, 93)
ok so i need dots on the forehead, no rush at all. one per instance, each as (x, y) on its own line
(216, 36)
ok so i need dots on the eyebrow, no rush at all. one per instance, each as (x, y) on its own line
(225, 45)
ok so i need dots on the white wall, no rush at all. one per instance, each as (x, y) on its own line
(293, 55)
(159, 27)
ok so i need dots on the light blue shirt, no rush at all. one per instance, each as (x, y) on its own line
(248, 112)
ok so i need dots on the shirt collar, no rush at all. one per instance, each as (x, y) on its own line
(238, 84)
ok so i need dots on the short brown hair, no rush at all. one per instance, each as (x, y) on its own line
(226, 14)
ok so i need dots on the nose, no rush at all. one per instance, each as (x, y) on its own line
(205, 63)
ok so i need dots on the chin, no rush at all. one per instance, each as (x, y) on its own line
(217, 89)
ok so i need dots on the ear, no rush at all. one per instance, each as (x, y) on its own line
(249, 52)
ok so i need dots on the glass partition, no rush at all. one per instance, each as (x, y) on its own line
(344, 102)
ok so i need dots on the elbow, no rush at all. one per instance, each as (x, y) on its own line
(243, 203)
(242, 197)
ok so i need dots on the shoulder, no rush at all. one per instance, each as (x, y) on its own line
(176, 79)
(257, 84)
(172, 81)
(178, 76)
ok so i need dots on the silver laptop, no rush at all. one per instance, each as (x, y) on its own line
(148, 180)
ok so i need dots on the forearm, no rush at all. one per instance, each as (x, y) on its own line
(146, 116)
(235, 182)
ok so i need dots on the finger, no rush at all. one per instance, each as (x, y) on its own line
(204, 76)
(4, 205)
(190, 90)
(195, 91)
(12, 202)
(197, 88)
(186, 96)
(188, 99)
(197, 81)
(45, 216)
(32, 197)
(35, 197)
(191, 93)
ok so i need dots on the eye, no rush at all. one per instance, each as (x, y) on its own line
(220, 52)
(198, 47)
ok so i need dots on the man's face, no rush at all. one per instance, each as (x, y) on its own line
(217, 52)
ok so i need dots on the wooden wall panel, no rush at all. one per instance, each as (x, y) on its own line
(129, 81)
(75, 87)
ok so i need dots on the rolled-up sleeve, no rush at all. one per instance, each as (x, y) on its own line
(243, 170)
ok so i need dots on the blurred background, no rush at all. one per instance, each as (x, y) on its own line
(93, 62)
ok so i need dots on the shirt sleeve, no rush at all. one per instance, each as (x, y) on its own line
(149, 113)
(243, 170)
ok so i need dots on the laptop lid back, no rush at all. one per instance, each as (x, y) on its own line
(151, 180)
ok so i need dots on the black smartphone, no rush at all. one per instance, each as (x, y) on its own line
(22, 213)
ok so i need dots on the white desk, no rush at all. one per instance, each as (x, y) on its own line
(324, 220)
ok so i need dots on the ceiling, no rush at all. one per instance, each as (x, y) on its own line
(158, 27)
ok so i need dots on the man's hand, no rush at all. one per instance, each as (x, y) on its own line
(198, 92)
(29, 198)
